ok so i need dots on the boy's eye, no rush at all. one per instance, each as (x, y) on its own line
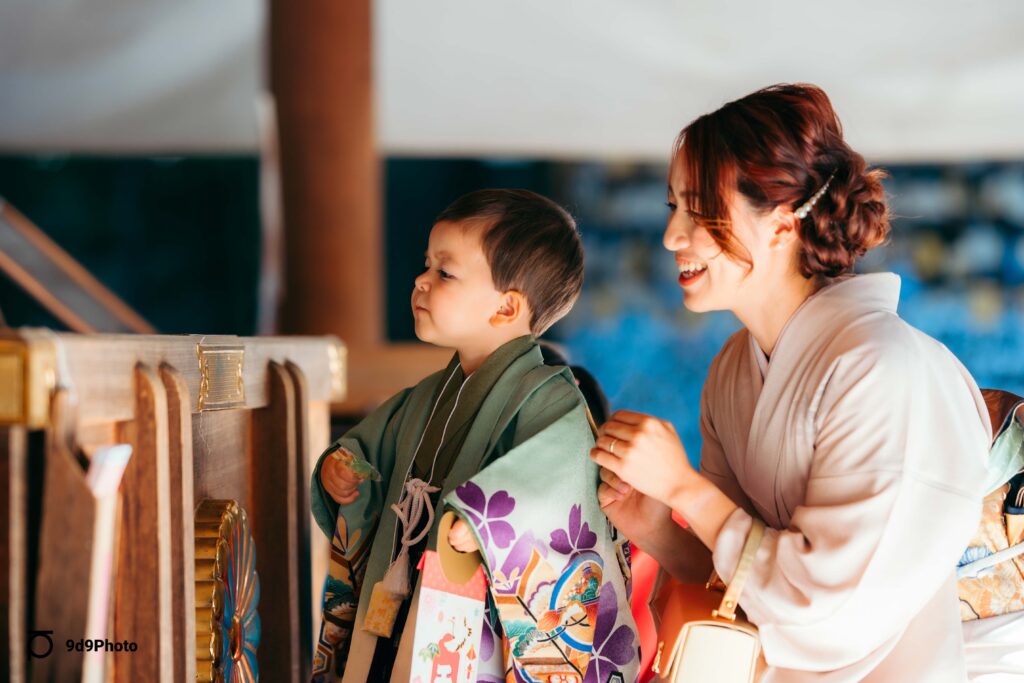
(445, 275)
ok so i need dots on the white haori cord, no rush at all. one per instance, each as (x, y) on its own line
(415, 502)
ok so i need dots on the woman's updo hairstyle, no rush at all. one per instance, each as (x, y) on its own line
(780, 146)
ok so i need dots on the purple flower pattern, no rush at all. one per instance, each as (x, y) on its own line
(486, 514)
(613, 647)
(578, 538)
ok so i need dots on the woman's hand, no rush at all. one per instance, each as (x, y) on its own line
(649, 525)
(639, 517)
(340, 482)
(644, 453)
(461, 537)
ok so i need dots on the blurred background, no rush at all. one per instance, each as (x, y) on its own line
(248, 167)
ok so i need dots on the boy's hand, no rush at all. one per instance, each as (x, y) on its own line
(339, 481)
(461, 538)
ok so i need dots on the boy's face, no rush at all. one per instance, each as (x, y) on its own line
(454, 299)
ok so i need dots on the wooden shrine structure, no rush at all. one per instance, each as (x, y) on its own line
(212, 572)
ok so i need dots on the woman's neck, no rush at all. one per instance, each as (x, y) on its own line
(766, 317)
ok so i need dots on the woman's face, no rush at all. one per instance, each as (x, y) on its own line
(711, 279)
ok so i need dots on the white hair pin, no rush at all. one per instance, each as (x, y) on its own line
(806, 207)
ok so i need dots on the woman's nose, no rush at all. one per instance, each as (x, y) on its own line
(677, 235)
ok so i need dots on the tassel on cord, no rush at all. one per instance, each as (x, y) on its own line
(410, 509)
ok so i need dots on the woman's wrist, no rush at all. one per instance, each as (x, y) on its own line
(687, 492)
(703, 505)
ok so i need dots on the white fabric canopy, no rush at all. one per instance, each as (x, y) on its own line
(927, 81)
(165, 76)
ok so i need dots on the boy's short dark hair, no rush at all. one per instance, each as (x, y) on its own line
(531, 245)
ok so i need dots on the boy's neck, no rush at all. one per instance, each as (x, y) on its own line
(471, 358)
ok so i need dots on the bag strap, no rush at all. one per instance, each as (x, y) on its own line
(727, 610)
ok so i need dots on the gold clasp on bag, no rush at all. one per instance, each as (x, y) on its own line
(656, 664)
(727, 610)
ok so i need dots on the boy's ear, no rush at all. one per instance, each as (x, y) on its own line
(513, 309)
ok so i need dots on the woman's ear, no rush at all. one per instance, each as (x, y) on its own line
(785, 228)
(513, 309)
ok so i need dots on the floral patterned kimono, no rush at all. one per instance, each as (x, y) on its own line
(519, 473)
(558, 571)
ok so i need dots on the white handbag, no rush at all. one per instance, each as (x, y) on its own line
(693, 648)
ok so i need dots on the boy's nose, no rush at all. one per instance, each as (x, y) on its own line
(421, 283)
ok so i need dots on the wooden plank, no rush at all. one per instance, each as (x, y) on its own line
(179, 428)
(376, 373)
(65, 554)
(142, 610)
(303, 472)
(13, 553)
(97, 366)
(275, 511)
(319, 426)
(221, 442)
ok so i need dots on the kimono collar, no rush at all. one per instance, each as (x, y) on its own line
(847, 299)
(456, 403)
(496, 363)
(834, 306)
(862, 293)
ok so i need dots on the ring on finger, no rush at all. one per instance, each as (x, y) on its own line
(611, 448)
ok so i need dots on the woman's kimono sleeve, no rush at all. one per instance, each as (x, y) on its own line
(899, 452)
(373, 439)
(556, 572)
(713, 463)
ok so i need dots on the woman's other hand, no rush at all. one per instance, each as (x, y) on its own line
(644, 453)
(648, 523)
(639, 517)
(338, 480)
(461, 537)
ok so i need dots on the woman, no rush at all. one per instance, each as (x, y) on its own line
(858, 440)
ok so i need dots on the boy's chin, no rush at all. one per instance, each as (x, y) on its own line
(428, 336)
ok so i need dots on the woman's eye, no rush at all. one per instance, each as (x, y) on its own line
(671, 206)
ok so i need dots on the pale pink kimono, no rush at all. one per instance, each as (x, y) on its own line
(862, 444)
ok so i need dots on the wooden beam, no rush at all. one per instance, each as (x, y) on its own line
(14, 549)
(96, 369)
(321, 76)
(142, 609)
(275, 525)
(58, 282)
(376, 373)
(65, 552)
(319, 545)
(303, 472)
(182, 504)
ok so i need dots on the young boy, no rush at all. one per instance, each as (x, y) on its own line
(501, 439)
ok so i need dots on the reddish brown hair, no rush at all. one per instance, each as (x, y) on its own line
(778, 146)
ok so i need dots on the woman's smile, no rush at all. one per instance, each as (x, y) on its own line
(690, 271)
